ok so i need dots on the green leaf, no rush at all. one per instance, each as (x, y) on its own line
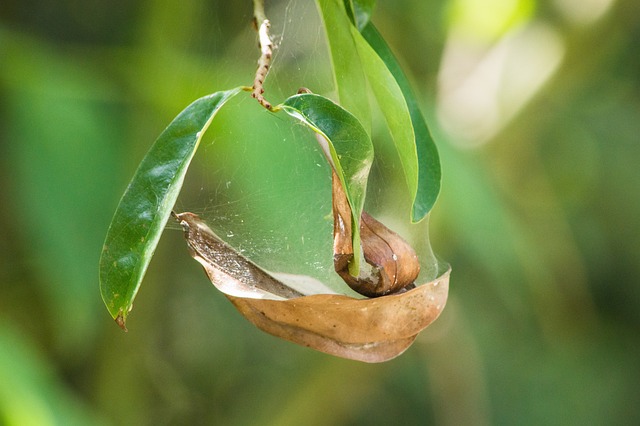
(347, 71)
(360, 11)
(393, 107)
(349, 148)
(147, 202)
(429, 174)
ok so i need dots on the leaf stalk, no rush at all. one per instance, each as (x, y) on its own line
(265, 43)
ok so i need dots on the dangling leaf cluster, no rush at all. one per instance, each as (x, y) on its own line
(359, 55)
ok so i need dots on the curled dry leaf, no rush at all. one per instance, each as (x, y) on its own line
(394, 263)
(303, 310)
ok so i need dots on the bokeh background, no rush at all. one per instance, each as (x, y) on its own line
(535, 106)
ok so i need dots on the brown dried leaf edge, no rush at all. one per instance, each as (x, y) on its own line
(369, 330)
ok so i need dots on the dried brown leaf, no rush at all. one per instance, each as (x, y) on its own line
(370, 330)
(395, 265)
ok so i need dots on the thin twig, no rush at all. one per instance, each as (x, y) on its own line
(266, 50)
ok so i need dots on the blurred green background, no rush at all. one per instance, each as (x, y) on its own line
(535, 106)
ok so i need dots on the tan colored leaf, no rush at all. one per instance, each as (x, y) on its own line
(394, 263)
(228, 270)
(370, 330)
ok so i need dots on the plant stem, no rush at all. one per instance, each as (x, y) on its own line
(258, 11)
(266, 48)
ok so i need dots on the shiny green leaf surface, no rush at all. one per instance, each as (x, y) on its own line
(428, 164)
(347, 70)
(361, 11)
(349, 148)
(147, 202)
(394, 108)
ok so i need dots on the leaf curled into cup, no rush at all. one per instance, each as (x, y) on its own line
(394, 265)
(303, 310)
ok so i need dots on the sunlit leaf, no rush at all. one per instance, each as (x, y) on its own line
(349, 150)
(301, 310)
(347, 70)
(429, 174)
(147, 202)
(394, 108)
(408, 128)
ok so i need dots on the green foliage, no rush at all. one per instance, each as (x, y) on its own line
(415, 146)
(541, 223)
(426, 184)
(359, 11)
(347, 69)
(146, 204)
(394, 108)
(145, 207)
(349, 148)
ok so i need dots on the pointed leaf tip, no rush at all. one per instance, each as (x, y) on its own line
(121, 322)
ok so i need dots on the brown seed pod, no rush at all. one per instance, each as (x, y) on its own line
(370, 330)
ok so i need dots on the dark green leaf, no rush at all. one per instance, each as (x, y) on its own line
(147, 202)
(360, 11)
(349, 150)
(347, 70)
(429, 174)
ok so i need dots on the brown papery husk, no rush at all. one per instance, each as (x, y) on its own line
(395, 263)
(369, 330)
